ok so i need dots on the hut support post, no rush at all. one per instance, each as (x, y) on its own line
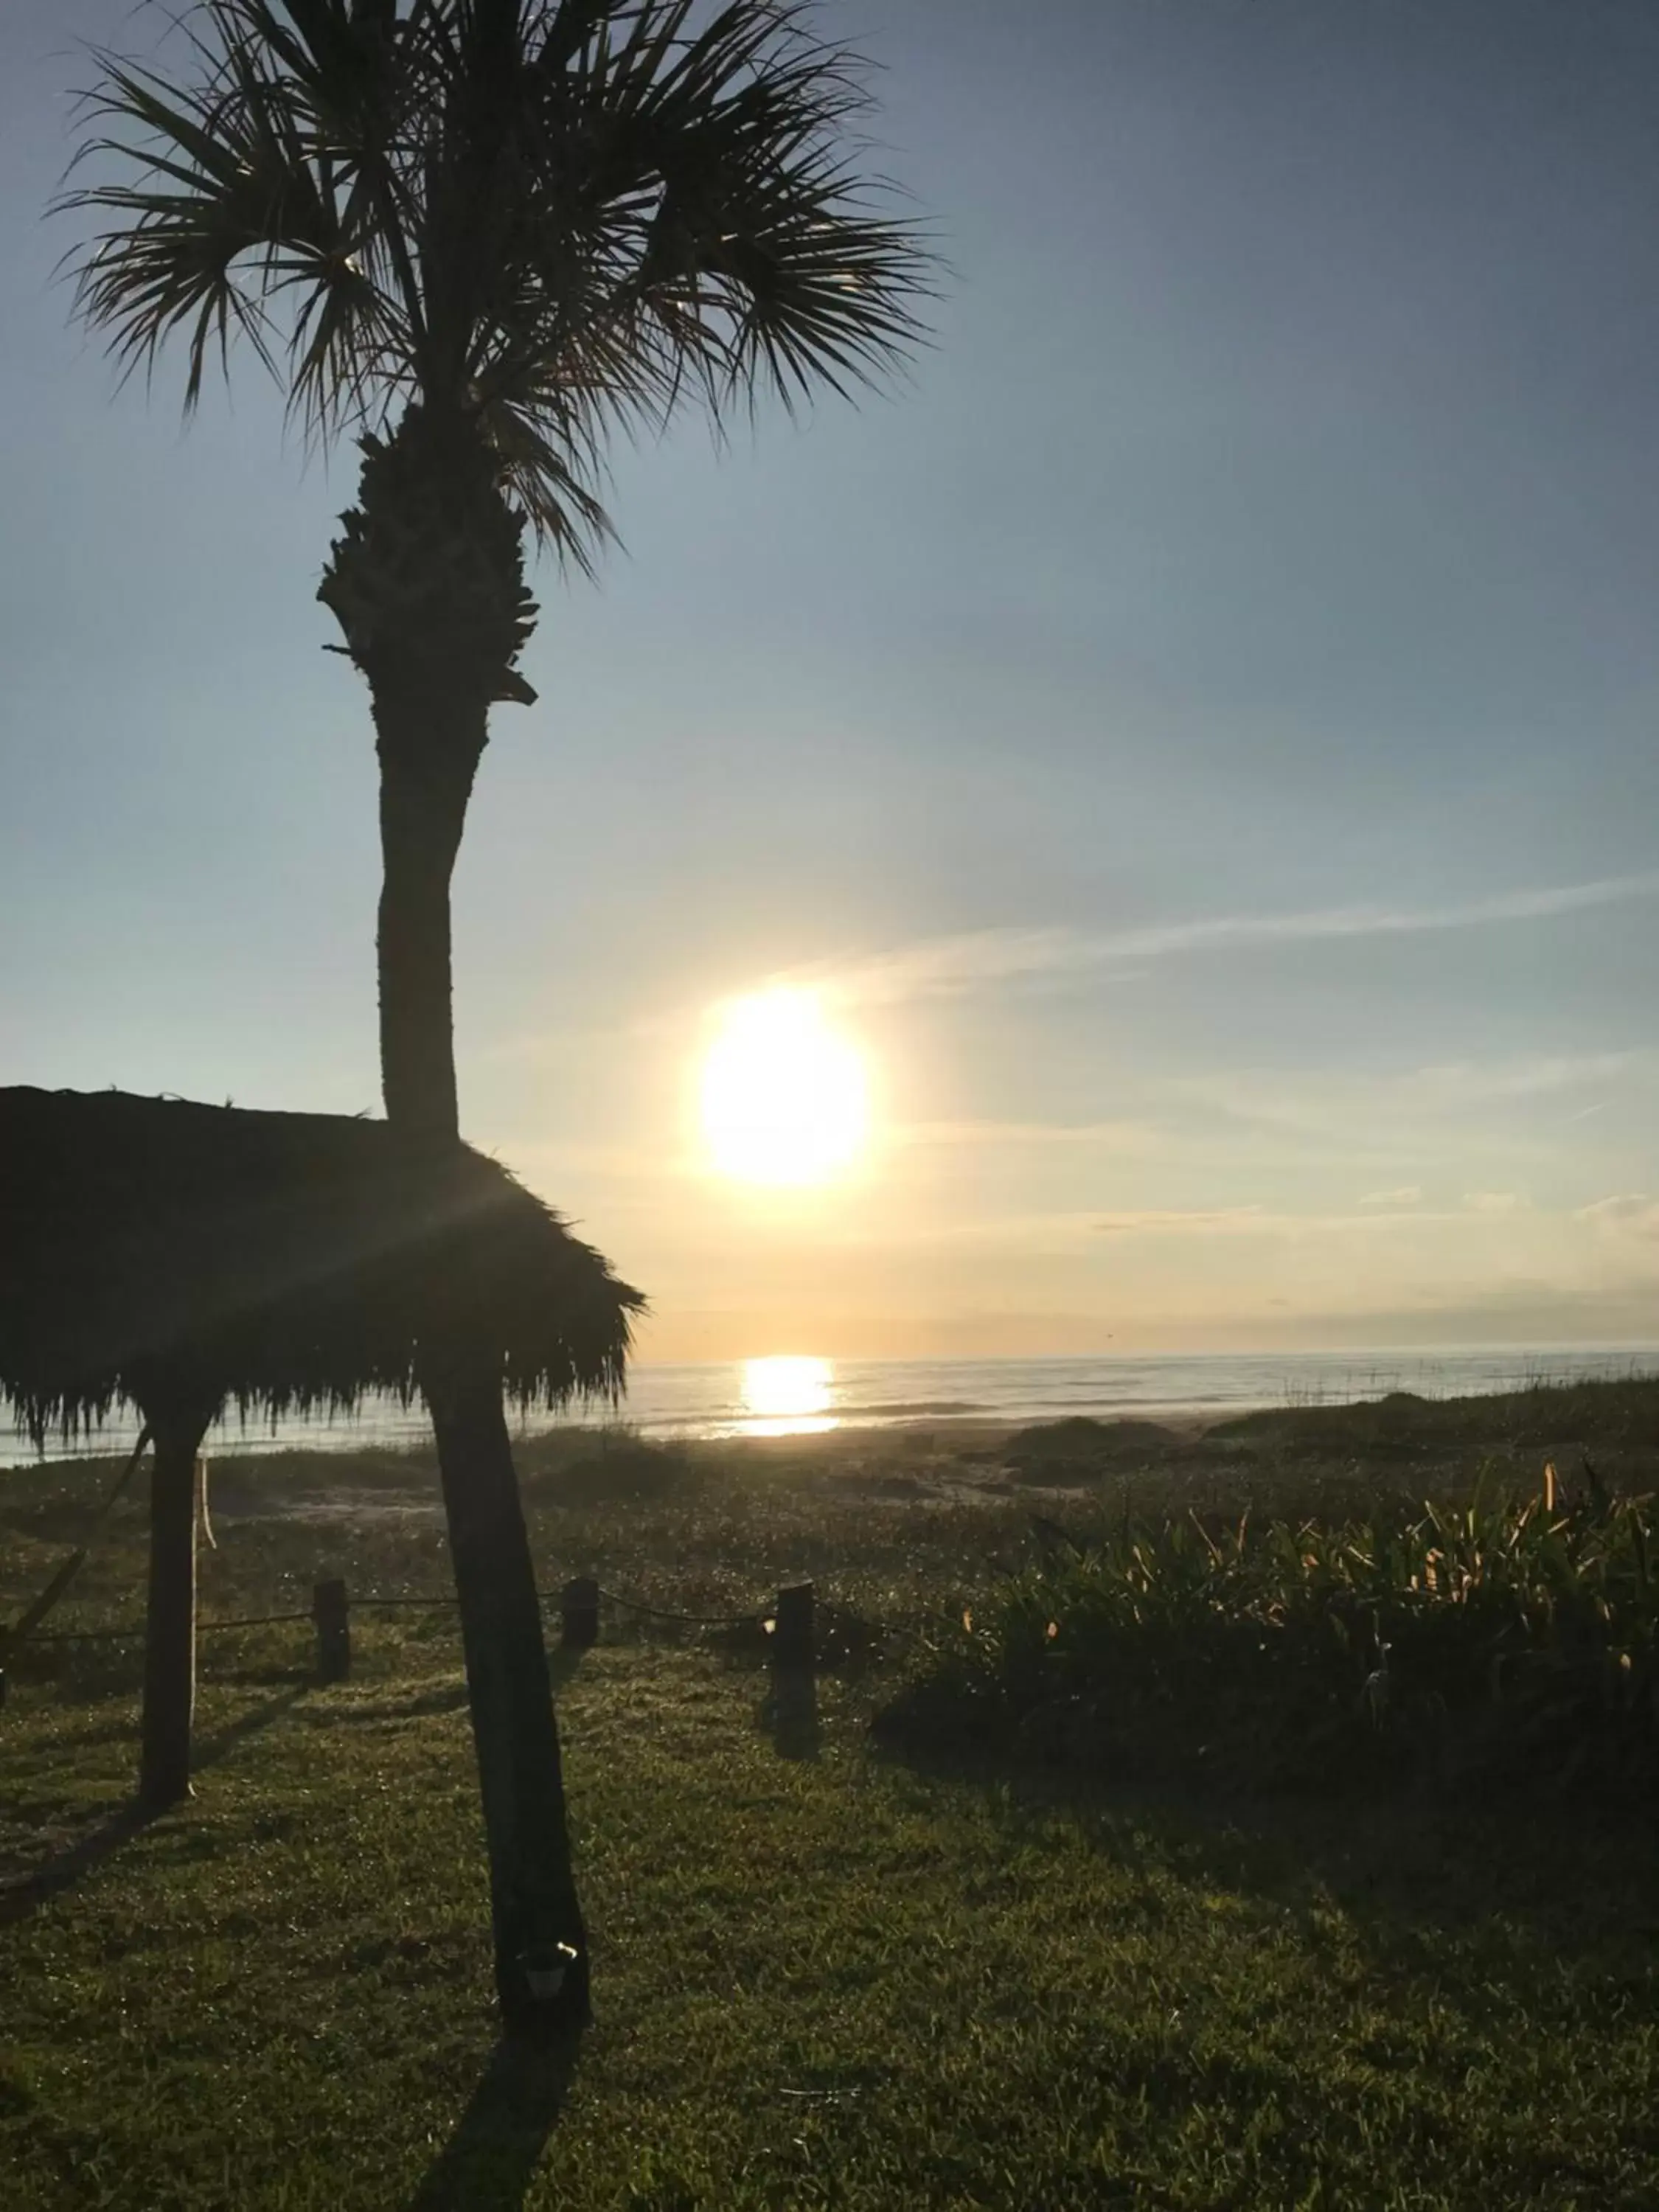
(794, 1639)
(579, 1607)
(540, 1941)
(330, 1608)
(170, 1622)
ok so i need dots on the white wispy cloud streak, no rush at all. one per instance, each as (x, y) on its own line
(1341, 1097)
(1132, 1137)
(1635, 1214)
(1263, 1221)
(943, 966)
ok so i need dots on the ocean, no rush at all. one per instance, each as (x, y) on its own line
(808, 1396)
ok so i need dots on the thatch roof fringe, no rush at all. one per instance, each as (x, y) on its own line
(277, 1262)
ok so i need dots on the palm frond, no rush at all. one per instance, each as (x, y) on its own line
(232, 206)
(557, 216)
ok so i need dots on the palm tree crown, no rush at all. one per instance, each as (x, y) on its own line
(538, 217)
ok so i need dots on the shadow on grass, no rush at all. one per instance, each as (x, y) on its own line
(122, 1823)
(1464, 1893)
(488, 2163)
(65, 1867)
(210, 1750)
(448, 1695)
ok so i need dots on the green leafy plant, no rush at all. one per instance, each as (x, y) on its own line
(1503, 1634)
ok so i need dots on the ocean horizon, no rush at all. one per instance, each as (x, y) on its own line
(803, 1396)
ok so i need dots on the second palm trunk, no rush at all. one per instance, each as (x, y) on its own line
(427, 582)
(536, 1918)
(540, 1941)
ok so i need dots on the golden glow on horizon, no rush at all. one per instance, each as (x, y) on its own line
(787, 1397)
(785, 1099)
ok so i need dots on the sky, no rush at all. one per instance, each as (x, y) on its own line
(1194, 734)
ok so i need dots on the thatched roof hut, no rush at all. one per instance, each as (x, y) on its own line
(278, 1263)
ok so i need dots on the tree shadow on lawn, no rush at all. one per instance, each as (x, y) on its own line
(1511, 1889)
(119, 1824)
(210, 1749)
(488, 2163)
(65, 1868)
(446, 1693)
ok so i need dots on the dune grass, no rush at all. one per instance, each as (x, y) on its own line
(1508, 1639)
(831, 1970)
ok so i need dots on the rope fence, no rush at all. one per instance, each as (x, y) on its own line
(693, 1619)
(134, 1633)
(791, 1622)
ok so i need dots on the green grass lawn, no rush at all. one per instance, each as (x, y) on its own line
(842, 1978)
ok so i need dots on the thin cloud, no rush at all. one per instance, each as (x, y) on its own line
(1109, 1136)
(1417, 1099)
(1217, 1221)
(1408, 1193)
(946, 966)
(943, 966)
(1633, 1214)
(1254, 1221)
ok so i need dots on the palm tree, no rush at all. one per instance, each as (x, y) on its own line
(481, 235)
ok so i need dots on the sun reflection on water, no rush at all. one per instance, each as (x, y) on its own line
(787, 1397)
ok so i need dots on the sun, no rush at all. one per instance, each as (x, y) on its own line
(785, 1098)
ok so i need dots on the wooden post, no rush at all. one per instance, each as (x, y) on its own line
(794, 1644)
(332, 1613)
(170, 1621)
(579, 1607)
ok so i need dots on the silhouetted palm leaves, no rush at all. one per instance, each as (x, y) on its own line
(549, 217)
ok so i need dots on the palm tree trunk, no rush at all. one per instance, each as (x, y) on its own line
(427, 582)
(534, 1905)
(170, 1625)
(429, 751)
(424, 790)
